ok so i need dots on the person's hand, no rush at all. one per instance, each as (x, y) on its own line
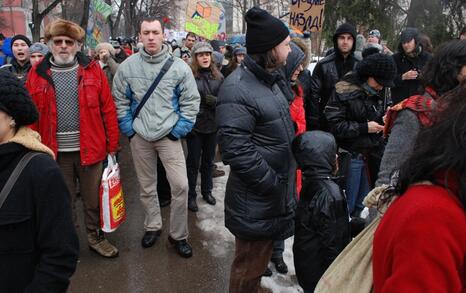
(409, 75)
(210, 100)
(104, 55)
(374, 127)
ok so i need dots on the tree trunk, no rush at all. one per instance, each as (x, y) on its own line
(85, 18)
(38, 17)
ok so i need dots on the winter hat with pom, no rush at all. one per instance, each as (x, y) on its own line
(264, 32)
(15, 100)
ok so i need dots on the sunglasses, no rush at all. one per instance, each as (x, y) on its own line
(58, 42)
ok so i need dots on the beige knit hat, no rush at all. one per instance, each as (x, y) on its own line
(106, 46)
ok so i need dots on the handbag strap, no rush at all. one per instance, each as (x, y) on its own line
(151, 89)
(15, 175)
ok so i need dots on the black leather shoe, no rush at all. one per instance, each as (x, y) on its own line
(267, 273)
(209, 199)
(183, 248)
(280, 265)
(192, 205)
(149, 239)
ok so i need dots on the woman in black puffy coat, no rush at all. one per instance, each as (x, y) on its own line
(202, 139)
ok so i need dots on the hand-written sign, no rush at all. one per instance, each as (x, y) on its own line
(307, 15)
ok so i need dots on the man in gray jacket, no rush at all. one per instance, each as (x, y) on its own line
(168, 115)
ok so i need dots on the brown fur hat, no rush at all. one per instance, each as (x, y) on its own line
(302, 45)
(61, 27)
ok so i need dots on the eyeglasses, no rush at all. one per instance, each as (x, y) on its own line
(58, 42)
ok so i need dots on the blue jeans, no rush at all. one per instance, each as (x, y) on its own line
(201, 153)
(357, 186)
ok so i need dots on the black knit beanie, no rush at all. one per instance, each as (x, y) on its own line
(264, 32)
(345, 28)
(21, 37)
(408, 34)
(15, 100)
(379, 66)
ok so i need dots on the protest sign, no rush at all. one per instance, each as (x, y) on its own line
(307, 15)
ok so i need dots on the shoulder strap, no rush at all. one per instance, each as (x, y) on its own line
(149, 92)
(14, 175)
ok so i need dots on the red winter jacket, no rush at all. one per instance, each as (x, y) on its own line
(299, 118)
(420, 243)
(97, 114)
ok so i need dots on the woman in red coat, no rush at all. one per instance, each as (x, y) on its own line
(420, 244)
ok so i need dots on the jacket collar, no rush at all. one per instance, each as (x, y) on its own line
(268, 77)
(157, 58)
(44, 66)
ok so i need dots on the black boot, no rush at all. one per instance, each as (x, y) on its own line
(192, 205)
(182, 247)
(267, 273)
(209, 198)
(280, 265)
(149, 239)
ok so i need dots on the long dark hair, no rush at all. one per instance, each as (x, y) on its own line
(442, 70)
(266, 60)
(439, 148)
(196, 68)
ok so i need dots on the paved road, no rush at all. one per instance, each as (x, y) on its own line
(157, 269)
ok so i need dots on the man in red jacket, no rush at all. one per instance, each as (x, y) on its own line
(77, 120)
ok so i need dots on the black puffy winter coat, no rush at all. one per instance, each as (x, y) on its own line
(406, 88)
(38, 243)
(255, 132)
(348, 111)
(206, 85)
(322, 224)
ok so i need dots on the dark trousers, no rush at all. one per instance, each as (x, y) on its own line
(251, 260)
(89, 184)
(163, 187)
(201, 152)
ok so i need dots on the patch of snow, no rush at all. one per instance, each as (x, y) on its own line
(211, 220)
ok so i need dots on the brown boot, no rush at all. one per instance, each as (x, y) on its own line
(99, 244)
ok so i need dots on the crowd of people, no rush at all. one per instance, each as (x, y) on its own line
(304, 149)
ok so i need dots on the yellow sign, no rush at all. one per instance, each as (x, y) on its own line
(307, 15)
(203, 18)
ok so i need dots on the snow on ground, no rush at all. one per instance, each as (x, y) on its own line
(211, 220)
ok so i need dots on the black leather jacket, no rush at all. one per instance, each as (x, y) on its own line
(255, 132)
(327, 73)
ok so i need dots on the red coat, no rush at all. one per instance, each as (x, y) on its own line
(420, 244)
(299, 118)
(97, 114)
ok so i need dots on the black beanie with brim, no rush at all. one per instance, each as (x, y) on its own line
(264, 32)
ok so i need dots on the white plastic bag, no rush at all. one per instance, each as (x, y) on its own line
(112, 203)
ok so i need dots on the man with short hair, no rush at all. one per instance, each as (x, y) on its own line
(77, 120)
(326, 74)
(255, 132)
(20, 64)
(189, 42)
(410, 60)
(155, 132)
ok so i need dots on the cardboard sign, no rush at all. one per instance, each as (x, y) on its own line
(307, 15)
(203, 18)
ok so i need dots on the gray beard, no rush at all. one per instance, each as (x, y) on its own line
(64, 62)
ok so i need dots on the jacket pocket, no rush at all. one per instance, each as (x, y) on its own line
(92, 89)
(271, 204)
(16, 234)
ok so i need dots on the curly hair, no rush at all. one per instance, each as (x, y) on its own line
(441, 72)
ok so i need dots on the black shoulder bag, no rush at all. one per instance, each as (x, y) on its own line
(149, 92)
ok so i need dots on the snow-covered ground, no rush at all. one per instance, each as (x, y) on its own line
(211, 220)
